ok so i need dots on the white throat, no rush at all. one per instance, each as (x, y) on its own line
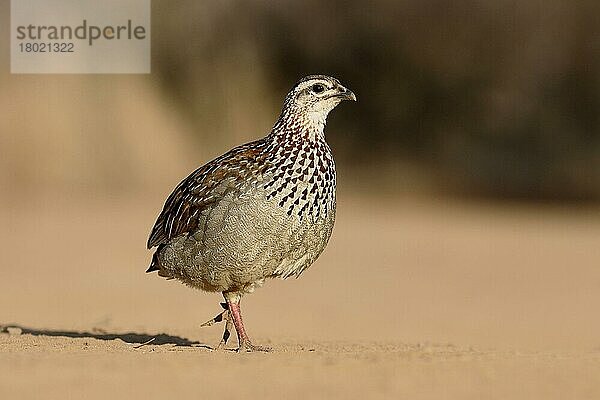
(316, 124)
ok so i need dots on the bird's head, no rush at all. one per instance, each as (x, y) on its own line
(314, 96)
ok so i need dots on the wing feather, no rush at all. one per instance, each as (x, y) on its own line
(204, 187)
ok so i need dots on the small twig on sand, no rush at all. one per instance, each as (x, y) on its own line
(145, 343)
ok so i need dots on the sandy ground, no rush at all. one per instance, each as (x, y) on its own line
(413, 299)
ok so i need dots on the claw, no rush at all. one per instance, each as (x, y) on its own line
(248, 347)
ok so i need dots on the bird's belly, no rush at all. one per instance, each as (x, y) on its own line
(244, 239)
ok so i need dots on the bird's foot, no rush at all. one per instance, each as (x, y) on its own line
(247, 347)
(223, 316)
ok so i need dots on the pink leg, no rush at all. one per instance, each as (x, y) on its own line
(236, 313)
(233, 301)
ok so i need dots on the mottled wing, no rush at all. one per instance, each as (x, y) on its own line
(205, 186)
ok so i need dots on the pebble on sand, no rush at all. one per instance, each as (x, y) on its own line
(14, 331)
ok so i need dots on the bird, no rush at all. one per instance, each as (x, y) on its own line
(265, 209)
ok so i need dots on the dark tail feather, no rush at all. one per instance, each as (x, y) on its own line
(154, 264)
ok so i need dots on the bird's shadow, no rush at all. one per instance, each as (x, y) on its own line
(135, 338)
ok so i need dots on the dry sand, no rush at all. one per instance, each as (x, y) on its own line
(413, 299)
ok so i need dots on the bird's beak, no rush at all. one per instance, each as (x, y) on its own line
(346, 94)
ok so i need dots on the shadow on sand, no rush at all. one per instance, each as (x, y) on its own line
(128, 337)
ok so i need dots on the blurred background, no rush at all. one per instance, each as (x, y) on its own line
(469, 169)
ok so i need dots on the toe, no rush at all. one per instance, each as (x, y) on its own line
(248, 347)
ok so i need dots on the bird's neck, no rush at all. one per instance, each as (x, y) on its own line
(293, 126)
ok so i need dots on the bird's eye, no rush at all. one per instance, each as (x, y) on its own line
(318, 88)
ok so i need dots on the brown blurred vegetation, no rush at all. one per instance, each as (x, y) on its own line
(473, 97)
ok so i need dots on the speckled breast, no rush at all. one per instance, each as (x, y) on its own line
(256, 232)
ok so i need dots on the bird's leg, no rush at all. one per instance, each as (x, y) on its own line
(226, 332)
(225, 315)
(233, 302)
